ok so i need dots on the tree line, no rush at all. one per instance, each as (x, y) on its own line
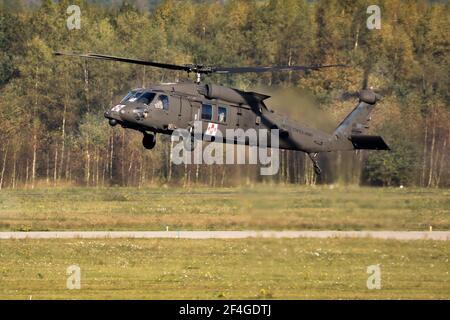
(52, 130)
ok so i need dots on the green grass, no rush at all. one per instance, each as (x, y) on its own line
(263, 207)
(224, 269)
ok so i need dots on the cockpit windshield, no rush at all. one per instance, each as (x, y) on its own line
(131, 96)
(138, 96)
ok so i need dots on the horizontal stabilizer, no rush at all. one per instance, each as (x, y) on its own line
(368, 142)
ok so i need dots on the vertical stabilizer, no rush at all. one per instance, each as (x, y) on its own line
(357, 121)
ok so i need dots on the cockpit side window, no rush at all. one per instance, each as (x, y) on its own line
(146, 98)
(165, 102)
(162, 103)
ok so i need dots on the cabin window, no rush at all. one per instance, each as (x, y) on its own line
(206, 112)
(222, 114)
(162, 103)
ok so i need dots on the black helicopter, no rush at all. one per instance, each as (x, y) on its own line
(165, 107)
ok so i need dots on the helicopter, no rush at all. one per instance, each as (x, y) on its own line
(165, 107)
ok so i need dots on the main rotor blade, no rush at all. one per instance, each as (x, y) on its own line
(196, 68)
(222, 70)
(127, 60)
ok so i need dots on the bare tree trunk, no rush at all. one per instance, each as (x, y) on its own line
(425, 143)
(170, 161)
(105, 165)
(69, 156)
(33, 170)
(33, 166)
(289, 64)
(14, 170)
(140, 172)
(144, 170)
(123, 158)
(433, 142)
(288, 166)
(339, 168)
(97, 160)
(441, 138)
(211, 175)
(88, 108)
(26, 174)
(111, 157)
(47, 171)
(87, 173)
(310, 177)
(55, 170)
(130, 166)
(68, 164)
(3, 167)
(358, 172)
(442, 162)
(86, 86)
(224, 169)
(153, 174)
(355, 46)
(296, 166)
(63, 140)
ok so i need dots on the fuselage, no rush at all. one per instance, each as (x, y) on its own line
(166, 107)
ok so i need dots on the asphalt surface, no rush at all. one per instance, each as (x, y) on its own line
(394, 235)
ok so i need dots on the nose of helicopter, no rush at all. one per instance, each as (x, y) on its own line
(132, 113)
(126, 113)
(119, 114)
(113, 116)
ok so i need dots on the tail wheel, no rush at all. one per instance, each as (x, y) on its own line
(149, 141)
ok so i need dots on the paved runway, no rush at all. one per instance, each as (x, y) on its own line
(395, 235)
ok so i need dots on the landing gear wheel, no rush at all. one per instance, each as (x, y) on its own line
(149, 141)
(190, 143)
(313, 157)
(317, 170)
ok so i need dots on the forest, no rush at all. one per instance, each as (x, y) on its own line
(52, 129)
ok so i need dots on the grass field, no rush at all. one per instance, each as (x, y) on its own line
(262, 207)
(224, 269)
